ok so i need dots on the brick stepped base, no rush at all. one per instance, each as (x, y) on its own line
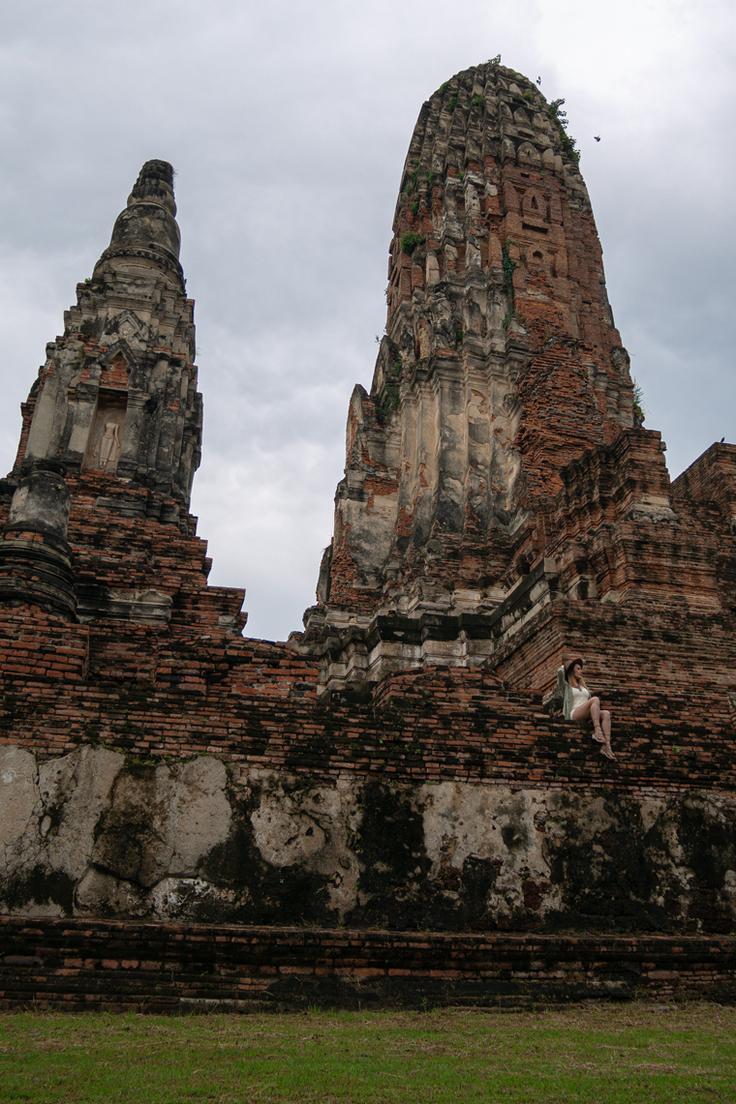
(153, 967)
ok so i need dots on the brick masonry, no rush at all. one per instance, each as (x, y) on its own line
(114, 966)
(252, 703)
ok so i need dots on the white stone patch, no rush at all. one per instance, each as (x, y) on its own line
(176, 898)
(76, 788)
(311, 828)
(199, 816)
(171, 817)
(502, 824)
(19, 805)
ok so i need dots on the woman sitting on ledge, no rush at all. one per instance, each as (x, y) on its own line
(578, 704)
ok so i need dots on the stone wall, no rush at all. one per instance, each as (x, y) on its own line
(97, 833)
(163, 775)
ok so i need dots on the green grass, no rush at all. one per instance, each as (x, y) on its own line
(623, 1053)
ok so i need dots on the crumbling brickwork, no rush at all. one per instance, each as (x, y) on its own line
(83, 966)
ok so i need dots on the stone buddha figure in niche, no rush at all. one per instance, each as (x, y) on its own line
(110, 447)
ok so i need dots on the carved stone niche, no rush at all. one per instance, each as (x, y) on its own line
(105, 440)
(535, 212)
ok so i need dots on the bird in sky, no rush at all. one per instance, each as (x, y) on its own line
(597, 137)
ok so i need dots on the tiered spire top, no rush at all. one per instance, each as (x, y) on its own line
(147, 227)
(118, 393)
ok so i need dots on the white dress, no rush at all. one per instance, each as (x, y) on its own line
(580, 695)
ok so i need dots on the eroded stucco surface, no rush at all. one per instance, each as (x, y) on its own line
(94, 833)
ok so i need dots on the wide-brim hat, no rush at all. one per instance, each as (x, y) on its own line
(570, 664)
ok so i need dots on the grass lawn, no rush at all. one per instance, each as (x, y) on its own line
(601, 1053)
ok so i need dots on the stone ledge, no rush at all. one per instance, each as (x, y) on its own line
(78, 965)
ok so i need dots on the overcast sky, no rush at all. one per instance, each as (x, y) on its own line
(288, 125)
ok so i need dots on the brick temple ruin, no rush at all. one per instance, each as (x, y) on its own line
(386, 807)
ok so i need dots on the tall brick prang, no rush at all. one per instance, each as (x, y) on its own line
(500, 364)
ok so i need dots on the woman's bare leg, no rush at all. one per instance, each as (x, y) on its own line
(607, 750)
(606, 724)
(601, 719)
(591, 708)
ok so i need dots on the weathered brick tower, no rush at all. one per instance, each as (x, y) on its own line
(497, 461)
(385, 808)
(500, 364)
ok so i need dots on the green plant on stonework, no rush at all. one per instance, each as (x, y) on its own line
(509, 267)
(638, 408)
(570, 147)
(389, 399)
(452, 102)
(410, 241)
(428, 182)
(458, 335)
(134, 761)
(567, 142)
(479, 102)
(390, 393)
(554, 107)
(412, 182)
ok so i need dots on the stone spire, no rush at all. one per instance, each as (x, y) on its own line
(118, 392)
(500, 364)
(147, 227)
(114, 417)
